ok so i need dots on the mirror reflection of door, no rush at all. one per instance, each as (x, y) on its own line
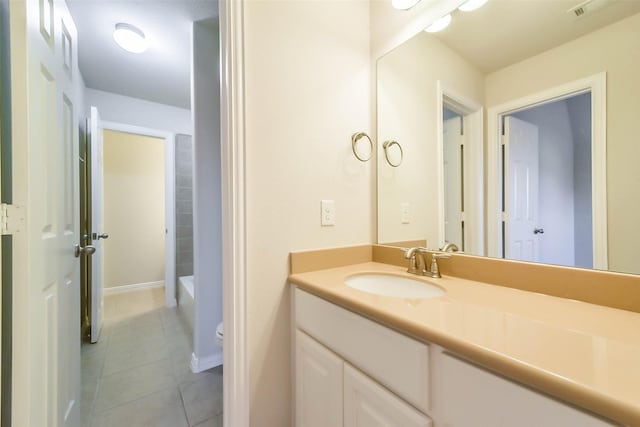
(453, 146)
(548, 197)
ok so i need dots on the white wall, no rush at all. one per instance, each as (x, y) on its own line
(307, 75)
(207, 213)
(555, 199)
(138, 112)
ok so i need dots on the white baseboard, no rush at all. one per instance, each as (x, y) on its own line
(204, 363)
(135, 287)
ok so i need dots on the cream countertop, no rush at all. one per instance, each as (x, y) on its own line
(582, 353)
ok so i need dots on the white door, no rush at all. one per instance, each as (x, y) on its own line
(46, 107)
(318, 384)
(452, 159)
(368, 404)
(521, 190)
(97, 224)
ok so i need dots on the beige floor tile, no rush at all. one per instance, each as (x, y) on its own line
(133, 384)
(162, 409)
(203, 397)
(134, 353)
(138, 374)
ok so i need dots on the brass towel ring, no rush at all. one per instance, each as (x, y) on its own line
(354, 140)
(386, 146)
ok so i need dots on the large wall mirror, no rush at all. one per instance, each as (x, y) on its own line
(518, 128)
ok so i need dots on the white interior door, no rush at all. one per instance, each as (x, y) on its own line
(46, 106)
(521, 190)
(452, 158)
(97, 224)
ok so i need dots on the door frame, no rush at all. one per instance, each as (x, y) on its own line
(597, 85)
(473, 125)
(169, 200)
(234, 223)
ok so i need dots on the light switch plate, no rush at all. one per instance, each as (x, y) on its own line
(328, 212)
(404, 213)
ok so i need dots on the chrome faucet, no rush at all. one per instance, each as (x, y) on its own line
(417, 264)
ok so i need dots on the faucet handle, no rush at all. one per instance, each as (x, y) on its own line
(434, 270)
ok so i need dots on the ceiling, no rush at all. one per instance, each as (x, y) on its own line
(162, 73)
(504, 32)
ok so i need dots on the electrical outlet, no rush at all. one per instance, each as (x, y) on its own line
(328, 212)
(404, 213)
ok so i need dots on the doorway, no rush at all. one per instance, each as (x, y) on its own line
(547, 183)
(546, 177)
(127, 180)
(460, 187)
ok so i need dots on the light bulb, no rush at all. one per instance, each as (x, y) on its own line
(130, 38)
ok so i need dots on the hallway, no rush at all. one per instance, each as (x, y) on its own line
(138, 375)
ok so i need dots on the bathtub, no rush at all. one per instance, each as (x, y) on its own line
(185, 298)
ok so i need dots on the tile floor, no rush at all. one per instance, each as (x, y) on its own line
(138, 374)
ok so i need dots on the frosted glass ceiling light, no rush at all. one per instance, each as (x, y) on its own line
(439, 24)
(472, 5)
(404, 4)
(130, 38)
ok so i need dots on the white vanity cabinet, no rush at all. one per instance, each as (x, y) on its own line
(368, 404)
(331, 392)
(319, 382)
(353, 372)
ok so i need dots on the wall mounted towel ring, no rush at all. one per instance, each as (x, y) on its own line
(393, 153)
(361, 150)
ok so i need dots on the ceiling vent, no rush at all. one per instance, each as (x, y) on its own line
(587, 7)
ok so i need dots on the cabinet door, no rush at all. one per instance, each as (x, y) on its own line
(318, 384)
(473, 397)
(368, 404)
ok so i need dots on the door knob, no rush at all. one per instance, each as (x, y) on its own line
(83, 250)
(538, 231)
(97, 236)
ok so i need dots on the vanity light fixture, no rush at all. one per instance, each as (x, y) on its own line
(439, 24)
(404, 4)
(472, 5)
(130, 38)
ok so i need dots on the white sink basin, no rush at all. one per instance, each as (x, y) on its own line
(393, 286)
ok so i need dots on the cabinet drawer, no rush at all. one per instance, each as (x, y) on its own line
(399, 363)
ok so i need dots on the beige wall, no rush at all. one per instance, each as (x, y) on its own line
(616, 50)
(407, 111)
(307, 91)
(134, 213)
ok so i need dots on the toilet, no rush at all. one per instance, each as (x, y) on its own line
(219, 334)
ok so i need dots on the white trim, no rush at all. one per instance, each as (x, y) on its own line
(202, 364)
(597, 85)
(473, 113)
(234, 274)
(170, 201)
(132, 288)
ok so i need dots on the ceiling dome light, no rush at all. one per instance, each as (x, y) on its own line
(472, 5)
(439, 24)
(404, 4)
(130, 38)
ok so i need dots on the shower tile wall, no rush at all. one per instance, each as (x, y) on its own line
(184, 205)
